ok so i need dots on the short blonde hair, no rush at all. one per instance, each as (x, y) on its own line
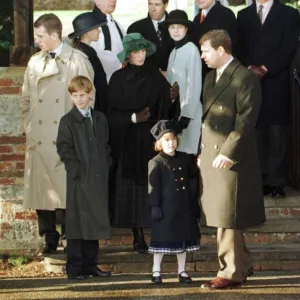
(80, 83)
(158, 144)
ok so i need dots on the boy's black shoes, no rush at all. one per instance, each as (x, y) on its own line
(278, 192)
(183, 279)
(77, 277)
(99, 273)
(156, 279)
(49, 249)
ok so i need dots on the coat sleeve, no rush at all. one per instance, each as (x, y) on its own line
(192, 90)
(248, 101)
(66, 149)
(106, 140)
(154, 184)
(282, 57)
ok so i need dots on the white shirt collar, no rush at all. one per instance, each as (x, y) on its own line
(267, 6)
(58, 50)
(221, 70)
(155, 22)
(83, 112)
(206, 10)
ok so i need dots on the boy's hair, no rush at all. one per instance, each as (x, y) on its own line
(218, 38)
(80, 83)
(158, 146)
(51, 23)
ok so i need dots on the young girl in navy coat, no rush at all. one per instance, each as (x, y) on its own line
(173, 202)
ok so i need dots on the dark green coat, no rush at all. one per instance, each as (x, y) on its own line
(231, 197)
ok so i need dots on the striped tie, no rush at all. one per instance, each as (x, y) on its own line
(260, 13)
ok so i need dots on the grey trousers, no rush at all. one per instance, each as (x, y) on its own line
(234, 257)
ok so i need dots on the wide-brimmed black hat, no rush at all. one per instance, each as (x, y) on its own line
(86, 22)
(162, 127)
(178, 16)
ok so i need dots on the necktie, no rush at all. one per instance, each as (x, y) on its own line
(87, 115)
(218, 75)
(260, 13)
(202, 16)
(52, 54)
(159, 32)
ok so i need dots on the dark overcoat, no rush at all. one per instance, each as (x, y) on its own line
(146, 28)
(219, 17)
(168, 187)
(273, 45)
(100, 81)
(84, 150)
(232, 197)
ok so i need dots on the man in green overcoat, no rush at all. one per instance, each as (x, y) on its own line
(231, 197)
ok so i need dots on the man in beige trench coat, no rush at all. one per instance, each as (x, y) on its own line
(44, 101)
(231, 197)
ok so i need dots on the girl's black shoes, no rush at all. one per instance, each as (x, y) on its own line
(183, 279)
(156, 279)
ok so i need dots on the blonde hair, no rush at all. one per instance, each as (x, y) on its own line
(80, 83)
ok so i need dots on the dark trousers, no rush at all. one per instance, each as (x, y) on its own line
(47, 225)
(271, 142)
(82, 256)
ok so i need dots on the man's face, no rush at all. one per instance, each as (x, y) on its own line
(204, 4)
(45, 41)
(106, 6)
(157, 9)
(211, 56)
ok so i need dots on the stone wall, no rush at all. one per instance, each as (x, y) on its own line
(18, 228)
(63, 5)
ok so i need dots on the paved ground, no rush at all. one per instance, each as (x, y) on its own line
(263, 286)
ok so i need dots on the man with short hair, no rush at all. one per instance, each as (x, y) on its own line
(153, 29)
(44, 101)
(231, 197)
(213, 15)
(268, 35)
(110, 40)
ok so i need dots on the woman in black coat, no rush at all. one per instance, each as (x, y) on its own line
(138, 96)
(86, 30)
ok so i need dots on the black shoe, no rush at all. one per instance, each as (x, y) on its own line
(249, 273)
(183, 279)
(77, 277)
(267, 190)
(156, 279)
(140, 246)
(49, 249)
(100, 273)
(278, 192)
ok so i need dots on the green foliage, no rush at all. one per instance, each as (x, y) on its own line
(18, 261)
(6, 24)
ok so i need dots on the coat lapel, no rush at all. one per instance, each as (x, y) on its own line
(214, 90)
(273, 14)
(151, 30)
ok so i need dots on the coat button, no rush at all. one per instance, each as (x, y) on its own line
(181, 178)
(39, 143)
(94, 156)
(40, 122)
(57, 100)
(221, 107)
(54, 122)
(183, 188)
(180, 168)
(40, 100)
(177, 190)
(97, 175)
(176, 180)
(216, 146)
(203, 125)
(216, 127)
(54, 143)
(202, 146)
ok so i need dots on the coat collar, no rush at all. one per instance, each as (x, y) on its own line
(215, 90)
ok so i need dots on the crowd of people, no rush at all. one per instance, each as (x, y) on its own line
(173, 123)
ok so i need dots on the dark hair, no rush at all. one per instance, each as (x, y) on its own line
(165, 1)
(218, 38)
(51, 23)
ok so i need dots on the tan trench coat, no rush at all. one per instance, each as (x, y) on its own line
(44, 101)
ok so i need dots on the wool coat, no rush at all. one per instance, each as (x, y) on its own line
(219, 17)
(185, 68)
(146, 28)
(83, 147)
(273, 45)
(169, 188)
(45, 99)
(231, 197)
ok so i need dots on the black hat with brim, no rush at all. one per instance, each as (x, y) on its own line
(86, 22)
(178, 16)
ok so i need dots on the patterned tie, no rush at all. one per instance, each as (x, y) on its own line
(52, 54)
(260, 13)
(159, 32)
(87, 115)
(202, 16)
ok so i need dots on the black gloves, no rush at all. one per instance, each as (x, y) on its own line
(156, 213)
(183, 123)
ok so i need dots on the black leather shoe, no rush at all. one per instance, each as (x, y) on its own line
(100, 273)
(49, 249)
(183, 279)
(278, 192)
(267, 190)
(77, 277)
(156, 279)
(140, 246)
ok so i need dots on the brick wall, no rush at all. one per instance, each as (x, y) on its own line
(18, 228)
(63, 5)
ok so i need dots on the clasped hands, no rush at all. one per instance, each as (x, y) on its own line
(259, 71)
(220, 162)
(143, 115)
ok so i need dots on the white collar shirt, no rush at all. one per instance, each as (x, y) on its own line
(155, 22)
(207, 10)
(84, 112)
(58, 50)
(221, 70)
(266, 9)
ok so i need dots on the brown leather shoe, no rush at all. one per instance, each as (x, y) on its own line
(220, 283)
